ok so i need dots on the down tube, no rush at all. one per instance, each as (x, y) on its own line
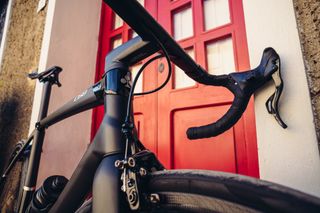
(107, 146)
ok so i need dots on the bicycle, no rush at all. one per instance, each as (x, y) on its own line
(124, 176)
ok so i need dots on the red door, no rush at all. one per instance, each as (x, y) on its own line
(213, 33)
(113, 32)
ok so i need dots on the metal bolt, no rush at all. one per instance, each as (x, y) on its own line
(131, 182)
(161, 67)
(142, 172)
(118, 163)
(128, 76)
(154, 198)
(123, 80)
(131, 162)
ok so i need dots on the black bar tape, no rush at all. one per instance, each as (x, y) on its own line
(224, 123)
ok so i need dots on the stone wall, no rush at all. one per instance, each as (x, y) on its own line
(308, 21)
(21, 56)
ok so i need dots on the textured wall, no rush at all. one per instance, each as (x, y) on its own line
(16, 91)
(308, 20)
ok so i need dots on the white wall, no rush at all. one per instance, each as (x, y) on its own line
(291, 156)
(42, 62)
(70, 41)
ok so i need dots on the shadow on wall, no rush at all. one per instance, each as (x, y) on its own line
(9, 125)
(8, 122)
(21, 56)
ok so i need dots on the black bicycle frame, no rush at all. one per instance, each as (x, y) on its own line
(96, 169)
(88, 99)
(97, 165)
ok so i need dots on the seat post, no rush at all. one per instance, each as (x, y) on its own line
(36, 149)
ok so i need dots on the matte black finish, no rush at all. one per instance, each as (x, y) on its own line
(80, 183)
(129, 53)
(90, 98)
(50, 75)
(35, 155)
(106, 194)
(108, 141)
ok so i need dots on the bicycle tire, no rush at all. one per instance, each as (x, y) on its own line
(211, 191)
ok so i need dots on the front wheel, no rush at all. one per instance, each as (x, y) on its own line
(210, 191)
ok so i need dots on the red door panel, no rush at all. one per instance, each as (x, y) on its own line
(112, 33)
(214, 45)
(217, 153)
(213, 33)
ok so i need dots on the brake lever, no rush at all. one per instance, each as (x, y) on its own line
(272, 104)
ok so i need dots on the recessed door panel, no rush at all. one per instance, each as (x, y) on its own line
(211, 153)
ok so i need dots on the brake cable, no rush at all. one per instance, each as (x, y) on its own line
(131, 94)
(131, 189)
